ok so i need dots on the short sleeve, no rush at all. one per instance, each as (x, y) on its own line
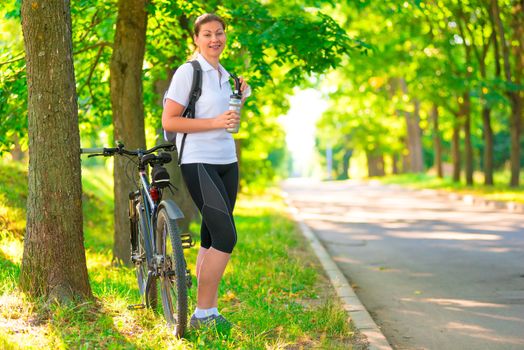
(180, 86)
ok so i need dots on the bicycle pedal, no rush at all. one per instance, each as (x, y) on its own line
(136, 307)
(187, 240)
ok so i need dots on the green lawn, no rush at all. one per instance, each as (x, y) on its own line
(500, 191)
(273, 289)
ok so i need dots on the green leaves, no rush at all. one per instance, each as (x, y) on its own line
(12, 9)
(276, 45)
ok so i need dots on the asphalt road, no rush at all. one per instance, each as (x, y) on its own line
(434, 273)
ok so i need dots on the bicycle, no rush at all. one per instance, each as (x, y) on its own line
(157, 245)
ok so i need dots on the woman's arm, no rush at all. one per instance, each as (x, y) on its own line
(173, 121)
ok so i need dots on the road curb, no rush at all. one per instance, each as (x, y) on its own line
(350, 301)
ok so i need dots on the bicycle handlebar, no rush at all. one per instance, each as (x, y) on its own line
(107, 152)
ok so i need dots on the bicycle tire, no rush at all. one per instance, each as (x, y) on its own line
(141, 265)
(172, 282)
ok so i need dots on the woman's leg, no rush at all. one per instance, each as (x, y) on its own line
(200, 257)
(211, 271)
(218, 218)
(229, 176)
(209, 192)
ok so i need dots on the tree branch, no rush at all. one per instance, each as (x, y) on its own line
(91, 26)
(13, 60)
(100, 44)
(92, 70)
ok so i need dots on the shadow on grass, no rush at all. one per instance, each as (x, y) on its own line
(77, 326)
(85, 326)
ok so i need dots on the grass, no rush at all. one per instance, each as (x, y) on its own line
(499, 192)
(272, 289)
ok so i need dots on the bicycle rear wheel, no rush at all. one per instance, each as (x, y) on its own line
(172, 282)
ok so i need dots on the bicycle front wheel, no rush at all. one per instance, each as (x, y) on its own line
(172, 282)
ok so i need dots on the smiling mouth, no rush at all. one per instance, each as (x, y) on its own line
(215, 46)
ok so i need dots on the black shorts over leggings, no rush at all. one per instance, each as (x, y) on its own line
(213, 188)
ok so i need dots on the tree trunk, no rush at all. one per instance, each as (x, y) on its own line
(128, 109)
(54, 263)
(465, 104)
(182, 196)
(16, 153)
(466, 113)
(345, 164)
(375, 164)
(417, 157)
(414, 135)
(395, 160)
(514, 96)
(436, 141)
(488, 145)
(487, 132)
(518, 96)
(455, 148)
(414, 140)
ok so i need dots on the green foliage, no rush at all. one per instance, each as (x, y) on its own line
(276, 45)
(418, 54)
(93, 32)
(13, 94)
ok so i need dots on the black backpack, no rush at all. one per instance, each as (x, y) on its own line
(189, 112)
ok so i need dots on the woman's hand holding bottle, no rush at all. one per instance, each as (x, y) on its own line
(228, 119)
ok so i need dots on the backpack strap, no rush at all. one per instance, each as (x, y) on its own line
(194, 95)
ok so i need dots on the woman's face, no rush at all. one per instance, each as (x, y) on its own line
(211, 39)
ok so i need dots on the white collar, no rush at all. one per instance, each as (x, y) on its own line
(206, 66)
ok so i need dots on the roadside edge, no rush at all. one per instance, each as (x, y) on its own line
(350, 301)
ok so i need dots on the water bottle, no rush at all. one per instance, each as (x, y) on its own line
(235, 104)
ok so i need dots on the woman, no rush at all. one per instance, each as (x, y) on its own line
(209, 163)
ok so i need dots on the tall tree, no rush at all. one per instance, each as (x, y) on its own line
(466, 99)
(172, 58)
(437, 144)
(181, 196)
(54, 263)
(513, 94)
(128, 109)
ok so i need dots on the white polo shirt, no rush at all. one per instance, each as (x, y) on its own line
(215, 146)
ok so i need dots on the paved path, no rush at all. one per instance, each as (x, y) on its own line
(433, 273)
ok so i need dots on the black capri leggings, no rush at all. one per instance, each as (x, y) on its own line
(213, 188)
